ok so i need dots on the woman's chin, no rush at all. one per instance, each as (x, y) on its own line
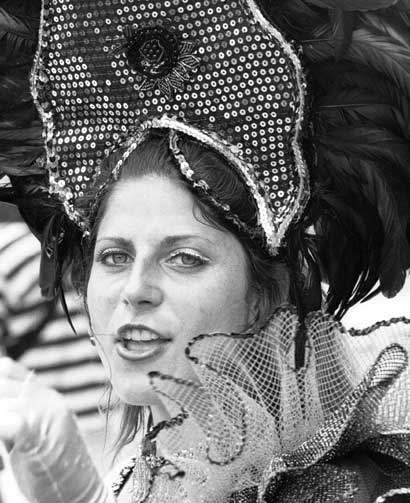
(140, 394)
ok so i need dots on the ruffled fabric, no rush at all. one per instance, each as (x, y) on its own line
(251, 428)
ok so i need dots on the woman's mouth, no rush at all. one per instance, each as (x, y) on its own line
(138, 343)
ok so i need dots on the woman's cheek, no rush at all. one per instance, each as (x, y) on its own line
(101, 304)
(202, 310)
(105, 288)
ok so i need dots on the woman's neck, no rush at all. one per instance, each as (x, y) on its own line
(159, 413)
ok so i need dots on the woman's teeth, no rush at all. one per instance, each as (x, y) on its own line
(141, 336)
(138, 344)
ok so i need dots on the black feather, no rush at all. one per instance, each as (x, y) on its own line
(357, 55)
(21, 143)
(18, 34)
(343, 25)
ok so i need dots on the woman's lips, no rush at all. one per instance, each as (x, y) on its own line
(137, 351)
(138, 342)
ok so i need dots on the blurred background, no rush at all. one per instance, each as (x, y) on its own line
(36, 333)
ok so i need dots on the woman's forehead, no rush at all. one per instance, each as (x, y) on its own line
(157, 209)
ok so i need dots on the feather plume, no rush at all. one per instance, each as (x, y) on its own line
(385, 55)
(21, 144)
(357, 55)
(19, 22)
(16, 35)
(343, 24)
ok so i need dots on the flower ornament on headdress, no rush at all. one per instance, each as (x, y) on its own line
(159, 58)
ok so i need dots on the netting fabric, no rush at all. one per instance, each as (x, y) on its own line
(251, 428)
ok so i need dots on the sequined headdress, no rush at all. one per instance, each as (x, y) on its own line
(106, 73)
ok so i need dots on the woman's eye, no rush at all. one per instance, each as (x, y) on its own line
(114, 258)
(187, 260)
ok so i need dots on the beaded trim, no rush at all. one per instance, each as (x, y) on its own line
(189, 174)
(392, 493)
(123, 476)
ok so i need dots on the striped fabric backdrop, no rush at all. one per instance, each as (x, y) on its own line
(38, 334)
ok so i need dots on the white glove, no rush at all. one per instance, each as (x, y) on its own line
(49, 458)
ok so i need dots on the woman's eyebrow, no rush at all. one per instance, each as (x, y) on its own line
(176, 239)
(116, 240)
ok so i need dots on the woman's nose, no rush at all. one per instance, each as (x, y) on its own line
(142, 288)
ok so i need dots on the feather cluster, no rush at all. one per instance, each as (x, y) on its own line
(357, 57)
(21, 142)
(22, 152)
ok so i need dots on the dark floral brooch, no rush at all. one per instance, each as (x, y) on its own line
(159, 56)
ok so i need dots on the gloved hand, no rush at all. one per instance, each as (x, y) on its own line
(49, 458)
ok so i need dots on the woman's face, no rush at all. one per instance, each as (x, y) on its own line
(160, 276)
